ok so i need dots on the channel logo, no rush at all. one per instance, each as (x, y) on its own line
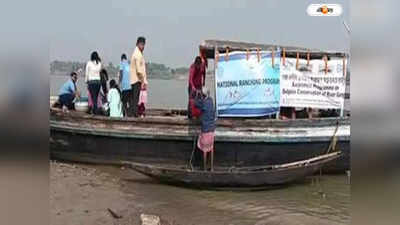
(324, 10)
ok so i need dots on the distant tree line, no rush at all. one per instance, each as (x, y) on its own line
(65, 67)
(62, 67)
(154, 70)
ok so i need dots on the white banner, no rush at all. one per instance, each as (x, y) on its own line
(310, 86)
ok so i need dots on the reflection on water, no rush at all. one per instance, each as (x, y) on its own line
(326, 200)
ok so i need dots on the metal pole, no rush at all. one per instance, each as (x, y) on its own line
(279, 110)
(347, 27)
(344, 97)
(215, 81)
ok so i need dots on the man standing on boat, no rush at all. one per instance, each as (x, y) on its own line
(205, 143)
(68, 93)
(125, 83)
(196, 77)
(138, 76)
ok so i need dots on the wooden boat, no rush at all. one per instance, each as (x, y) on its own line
(167, 137)
(261, 176)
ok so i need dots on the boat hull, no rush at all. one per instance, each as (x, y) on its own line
(102, 149)
(88, 139)
(228, 177)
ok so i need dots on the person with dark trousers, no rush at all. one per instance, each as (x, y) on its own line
(103, 81)
(125, 83)
(205, 142)
(138, 75)
(92, 78)
(68, 92)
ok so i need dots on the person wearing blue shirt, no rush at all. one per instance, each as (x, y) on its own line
(68, 92)
(205, 142)
(205, 103)
(125, 83)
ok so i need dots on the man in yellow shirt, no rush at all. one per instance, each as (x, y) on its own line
(138, 75)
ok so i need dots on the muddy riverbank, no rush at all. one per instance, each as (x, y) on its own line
(82, 194)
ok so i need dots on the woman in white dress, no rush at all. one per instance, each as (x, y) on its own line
(114, 100)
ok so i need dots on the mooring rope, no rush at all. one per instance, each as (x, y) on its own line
(332, 145)
(194, 148)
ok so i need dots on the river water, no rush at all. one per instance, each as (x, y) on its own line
(317, 200)
(161, 93)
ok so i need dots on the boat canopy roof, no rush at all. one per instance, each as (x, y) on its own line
(209, 46)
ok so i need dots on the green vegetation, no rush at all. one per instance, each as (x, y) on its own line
(154, 70)
(180, 70)
(158, 71)
(59, 67)
(64, 68)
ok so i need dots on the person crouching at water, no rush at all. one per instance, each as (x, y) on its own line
(205, 143)
(195, 83)
(92, 78)
(68, 93)
(114, 100)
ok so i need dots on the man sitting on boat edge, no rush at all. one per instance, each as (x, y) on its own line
(205, 143)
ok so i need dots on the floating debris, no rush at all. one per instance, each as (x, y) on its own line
(150, 219)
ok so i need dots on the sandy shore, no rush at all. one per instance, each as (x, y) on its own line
(82, 194)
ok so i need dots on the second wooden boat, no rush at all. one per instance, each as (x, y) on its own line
(225, 177)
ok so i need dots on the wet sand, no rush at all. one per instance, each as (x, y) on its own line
(82, 194)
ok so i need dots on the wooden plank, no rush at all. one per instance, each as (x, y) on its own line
(166, 133)
(307, 161)
(292, 164)
(58, 115)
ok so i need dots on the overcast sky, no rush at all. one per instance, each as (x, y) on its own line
(175, 28)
